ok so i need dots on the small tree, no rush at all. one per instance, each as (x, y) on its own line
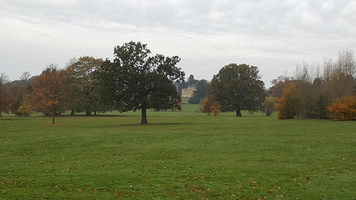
(50, 89)
(26, 108)
(270, 105)
(343, 109)
(211, 106)
(289, 105)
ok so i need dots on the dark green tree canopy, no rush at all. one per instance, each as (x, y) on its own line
(199, 93)
(134, 80)
(238, 87)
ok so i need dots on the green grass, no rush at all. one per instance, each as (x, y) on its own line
(179, 155)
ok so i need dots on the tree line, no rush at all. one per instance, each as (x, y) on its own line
(135, 80)
(316, 92)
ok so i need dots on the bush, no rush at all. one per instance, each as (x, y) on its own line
(343, 109)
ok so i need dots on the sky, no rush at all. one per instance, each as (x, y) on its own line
(274, 35)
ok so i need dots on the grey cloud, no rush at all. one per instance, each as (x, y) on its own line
(254, 17)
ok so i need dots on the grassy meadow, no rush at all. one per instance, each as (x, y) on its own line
(179, 155)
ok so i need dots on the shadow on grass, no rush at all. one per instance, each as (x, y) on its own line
(157, 124)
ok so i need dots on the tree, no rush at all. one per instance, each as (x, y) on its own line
(210, 105)
(17, 97)
(270, 105)
(26, 108)
(25, 76)
(84, 89)
(136, 81)
(49, 91)
(191, 80)
(289, 105)
(278, 85)
(5, 98)
(199, 93)
(238, 87)
(343, 109)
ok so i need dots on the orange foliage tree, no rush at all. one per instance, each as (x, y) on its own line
(289, 105)
(211, 106)
(49, 91)
(343, 109)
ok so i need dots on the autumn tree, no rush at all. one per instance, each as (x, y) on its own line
(280, 84)
(26, 107)
(210, 105)
(5, 98)
(289, 105)
(49, 91)
(238, 87)
(83, 85)
(343, 109)
(136, 81)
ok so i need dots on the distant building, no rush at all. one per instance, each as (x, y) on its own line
(188, 92)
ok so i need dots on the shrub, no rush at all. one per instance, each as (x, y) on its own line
(343, 109)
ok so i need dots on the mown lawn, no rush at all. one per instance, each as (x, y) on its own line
(180, 155)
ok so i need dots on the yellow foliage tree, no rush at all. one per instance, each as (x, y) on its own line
(343, 109)
(26, 108)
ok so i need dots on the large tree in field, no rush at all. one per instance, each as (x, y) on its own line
(136, 81)
(83, 87)
(238, 87)
(49, 91)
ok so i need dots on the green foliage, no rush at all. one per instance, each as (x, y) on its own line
(136, 81)
(270, 105)
(199, 93)
(181, 155)
(238, 87)
(83, 85)
(343, 109)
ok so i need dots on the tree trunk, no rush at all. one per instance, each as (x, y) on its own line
(87, 113)
(53, 114)
(144, 115)
(238, 113)
(72, 111)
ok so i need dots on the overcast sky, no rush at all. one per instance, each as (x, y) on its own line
(274, 35)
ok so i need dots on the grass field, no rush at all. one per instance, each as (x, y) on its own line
(179, 155)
